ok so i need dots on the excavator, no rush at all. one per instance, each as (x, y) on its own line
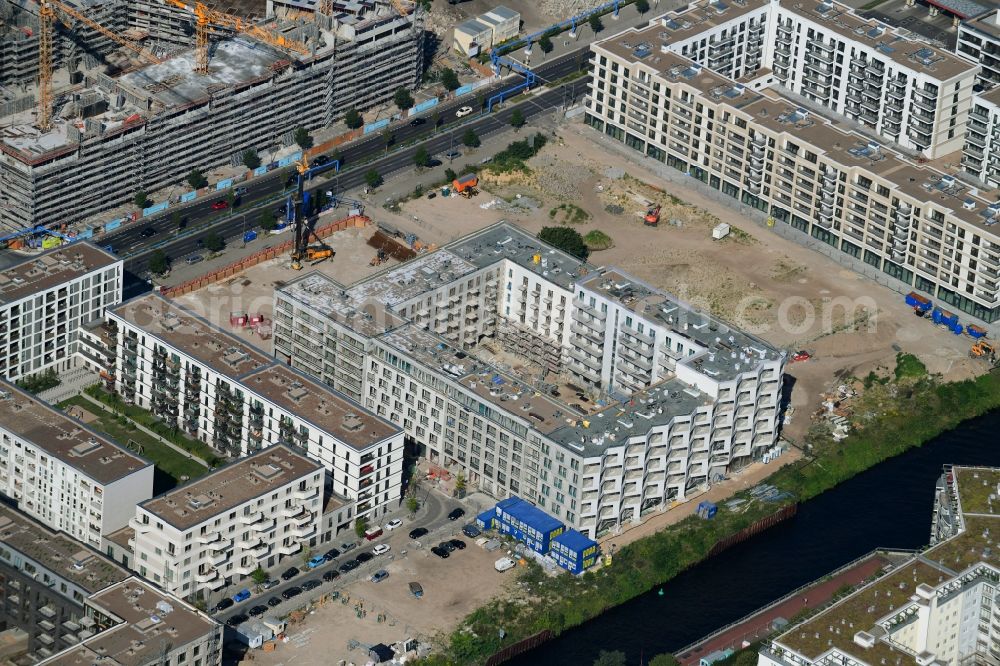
(983, 350)
(652, 217)
(301, 250)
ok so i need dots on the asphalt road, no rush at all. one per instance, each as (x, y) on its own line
(264, 194)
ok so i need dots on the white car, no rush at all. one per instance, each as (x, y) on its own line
(393, 524)
(464, 111)
(504, 564)
(381, 549)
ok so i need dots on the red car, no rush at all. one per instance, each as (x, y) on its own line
(220, 204)
(801, 356)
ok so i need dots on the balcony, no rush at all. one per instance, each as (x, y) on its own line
(305, 494)
(252, 517)
(288, 548)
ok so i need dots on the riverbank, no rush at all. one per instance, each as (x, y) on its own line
(916, 411)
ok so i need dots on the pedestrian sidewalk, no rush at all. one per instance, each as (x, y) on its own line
(71, 383)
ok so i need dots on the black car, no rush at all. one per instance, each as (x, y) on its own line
(148, 232)
(274, 601)
(223, 604)
(290, 574)
(311, 585)
(332, 574)
(457, 544)
(417, 533)
(349, 565)
(364, 557)
(446, 545)
(440, 552)
(320, 160)
(331, 554)
(417, 121)
(471, 531)
(268, 584)
(291, 592)
(257, 610)
(456, 514)
(292, 180)
(237, 619)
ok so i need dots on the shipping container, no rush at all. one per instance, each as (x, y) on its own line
(527, 523)
(574, 552)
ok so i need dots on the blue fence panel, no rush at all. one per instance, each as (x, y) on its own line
(423, 106)
(480, 83)
(376, 126)
(112, 225)
(189, 196)
(223, 184)
(261, 170)
(294, 157)
(89, 233)
(464, 90)
(155, 208)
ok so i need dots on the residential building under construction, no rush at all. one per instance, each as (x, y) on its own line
(123, 124)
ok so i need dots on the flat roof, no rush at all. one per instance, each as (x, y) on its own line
(230, 486)
(987, 22)
(150, 620)
(698, 17)
(321, 406)
(50, 269)
(325, 295)
(473, 26)
(504, 12)
(68, 440)
(188, 333)
(58, 552)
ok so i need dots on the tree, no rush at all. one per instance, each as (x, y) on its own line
(517, 119)
(450, 175)
(268, 222)
(178, 221)
(595, 23)
(196, 179)
(449, 79)
(213, 242)
(303, 139)
(642, 6)
(422, 158)
(460, 484)
(545, 44)
(250, 159)
(436, 118)
(566, 239)
(665, 659)
(158, 262)
(412, 504)
(360, 526)
(470, 138)
(606, 658)
(403, 99)
(259, 576)
(373, 178)
(141, 200)
(353, 119)
(306, 554)
(231, 198)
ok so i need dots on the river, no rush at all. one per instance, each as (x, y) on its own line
(887, 506)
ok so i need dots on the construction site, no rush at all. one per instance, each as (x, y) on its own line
(99, 100)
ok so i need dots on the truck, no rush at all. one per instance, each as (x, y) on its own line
(504, 564)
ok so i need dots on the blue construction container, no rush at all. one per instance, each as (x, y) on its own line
(487, 519)
(573, 551)
(975, 331)
(527, 523)
(918, 302)
(706, 510)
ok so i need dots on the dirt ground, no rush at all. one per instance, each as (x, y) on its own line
(787, 294)
(449, 595)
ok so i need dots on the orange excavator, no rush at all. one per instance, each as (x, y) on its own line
(983, 350)
(652, 217)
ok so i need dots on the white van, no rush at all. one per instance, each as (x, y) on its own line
(504, 564)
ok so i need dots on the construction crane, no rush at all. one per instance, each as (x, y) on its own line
(401, 7)
(208, 17)
(47, 15)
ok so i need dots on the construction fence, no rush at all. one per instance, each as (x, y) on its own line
(228, 271)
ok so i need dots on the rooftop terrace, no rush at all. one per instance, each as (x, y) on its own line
(61, 554)
(698, 17)
(51, 269)
(230, 486)
(64, 438)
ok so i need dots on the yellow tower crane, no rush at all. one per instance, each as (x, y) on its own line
(206, 17)
(47, 14)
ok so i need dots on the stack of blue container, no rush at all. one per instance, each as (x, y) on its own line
(527, 523)
(573, 551)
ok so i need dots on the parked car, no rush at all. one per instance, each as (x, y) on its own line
(349, 565)
(223, 604)
(504, 564)
(417, 121)
(290, 573)
(418, 532)
(471, 531)
(346, 546)
(193, 259)
(454, 154)
(416, 589)
(332, 574)
(315, 561)
(457, 544)
(220, 204)
(456, 514)
(148, 232)
(241, 596)
(440, 552)
(311, 585)
(463, 112)
(364, 557)
(381, 549)
(237, 619)
(331, 554)
(257, 610)
(373, 533)
(380, 576)
(393, 524)
(274, 601)
(320, 160)
(446, 545)
(291, 592)
(268, 584)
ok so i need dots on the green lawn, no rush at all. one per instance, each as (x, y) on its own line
(170, 465)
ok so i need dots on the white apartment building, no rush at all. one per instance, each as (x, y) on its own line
(981, 154)
(979, 41)
(220, 528)
(709, 408)
(940, 607)
(44, 300)
(908, 92)
(230, 395)
(63, 474)
(923, 229)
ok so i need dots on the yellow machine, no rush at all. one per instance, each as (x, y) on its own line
(984, 350)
